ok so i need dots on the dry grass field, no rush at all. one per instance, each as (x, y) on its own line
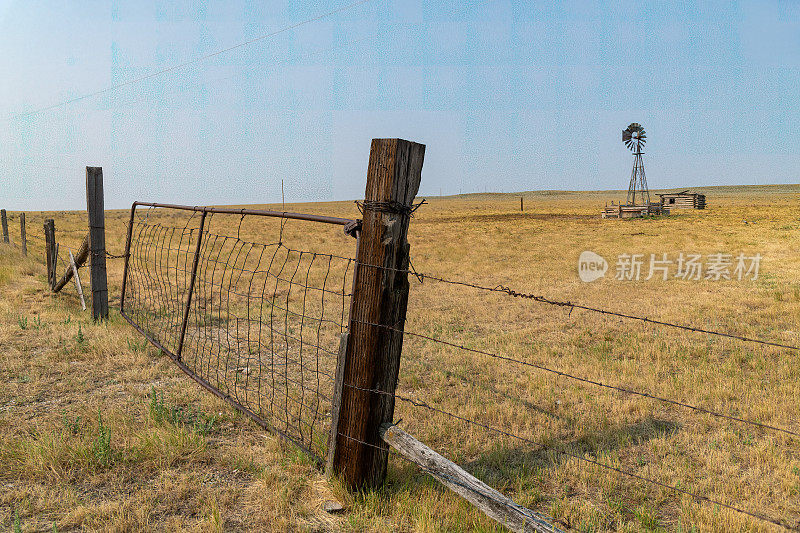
(99, 432)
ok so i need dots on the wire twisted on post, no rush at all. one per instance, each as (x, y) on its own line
(392, 207)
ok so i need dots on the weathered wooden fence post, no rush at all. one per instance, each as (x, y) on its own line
(50, 250)
(5, 225)
(521, 206)
(97, 242)
(22, 237)
(371, 355)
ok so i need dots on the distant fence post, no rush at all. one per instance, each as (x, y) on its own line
(380, 296)
(50, 250)
(97, 242)
(5, 225)
(22, 236)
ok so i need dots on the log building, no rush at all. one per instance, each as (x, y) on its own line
(683, 200)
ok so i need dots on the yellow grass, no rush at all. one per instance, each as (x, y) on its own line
(157, 473)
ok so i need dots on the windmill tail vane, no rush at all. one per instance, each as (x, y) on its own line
(634, 138)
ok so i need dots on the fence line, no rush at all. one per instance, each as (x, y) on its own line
(288, 401)
(230, 267)
(91, 246)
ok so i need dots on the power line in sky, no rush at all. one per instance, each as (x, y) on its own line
(191, 61)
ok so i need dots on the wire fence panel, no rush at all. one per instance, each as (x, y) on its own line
(264, 319)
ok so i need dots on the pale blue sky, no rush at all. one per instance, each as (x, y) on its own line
(507, 96)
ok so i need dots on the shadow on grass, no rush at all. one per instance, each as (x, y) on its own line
(503, 464)
(499, 463)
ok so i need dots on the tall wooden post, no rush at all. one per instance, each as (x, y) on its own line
(521, 207)
(5, 225)
(22, 237)
(50, 250)
(370, 360)
(97, 242)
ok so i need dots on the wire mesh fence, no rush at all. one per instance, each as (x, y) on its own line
(259, 323)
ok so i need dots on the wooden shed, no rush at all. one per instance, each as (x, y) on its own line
(683, 200)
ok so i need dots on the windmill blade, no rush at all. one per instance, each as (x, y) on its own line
(634, 137)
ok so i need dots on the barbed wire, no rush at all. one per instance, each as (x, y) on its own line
(697, 497)
(393, 207)
(572, 305)
(108, 255)
(584, 379)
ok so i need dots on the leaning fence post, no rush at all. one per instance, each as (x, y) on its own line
(97, 242)
(77, 279)
(22, 237)
(380, 296)
(5, 225)
(50, 250)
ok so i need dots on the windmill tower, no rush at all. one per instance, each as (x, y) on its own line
(634, 138)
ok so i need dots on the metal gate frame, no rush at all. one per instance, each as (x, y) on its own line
(351, 227)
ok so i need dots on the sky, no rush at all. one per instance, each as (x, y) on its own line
(506, 96)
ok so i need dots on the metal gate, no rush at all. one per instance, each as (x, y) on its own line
(242, 305)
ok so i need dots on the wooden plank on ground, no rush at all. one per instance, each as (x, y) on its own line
(491, 502)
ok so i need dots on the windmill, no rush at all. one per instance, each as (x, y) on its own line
(634, 138)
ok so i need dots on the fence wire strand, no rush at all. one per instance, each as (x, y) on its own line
(571, 305)
(586, 380)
